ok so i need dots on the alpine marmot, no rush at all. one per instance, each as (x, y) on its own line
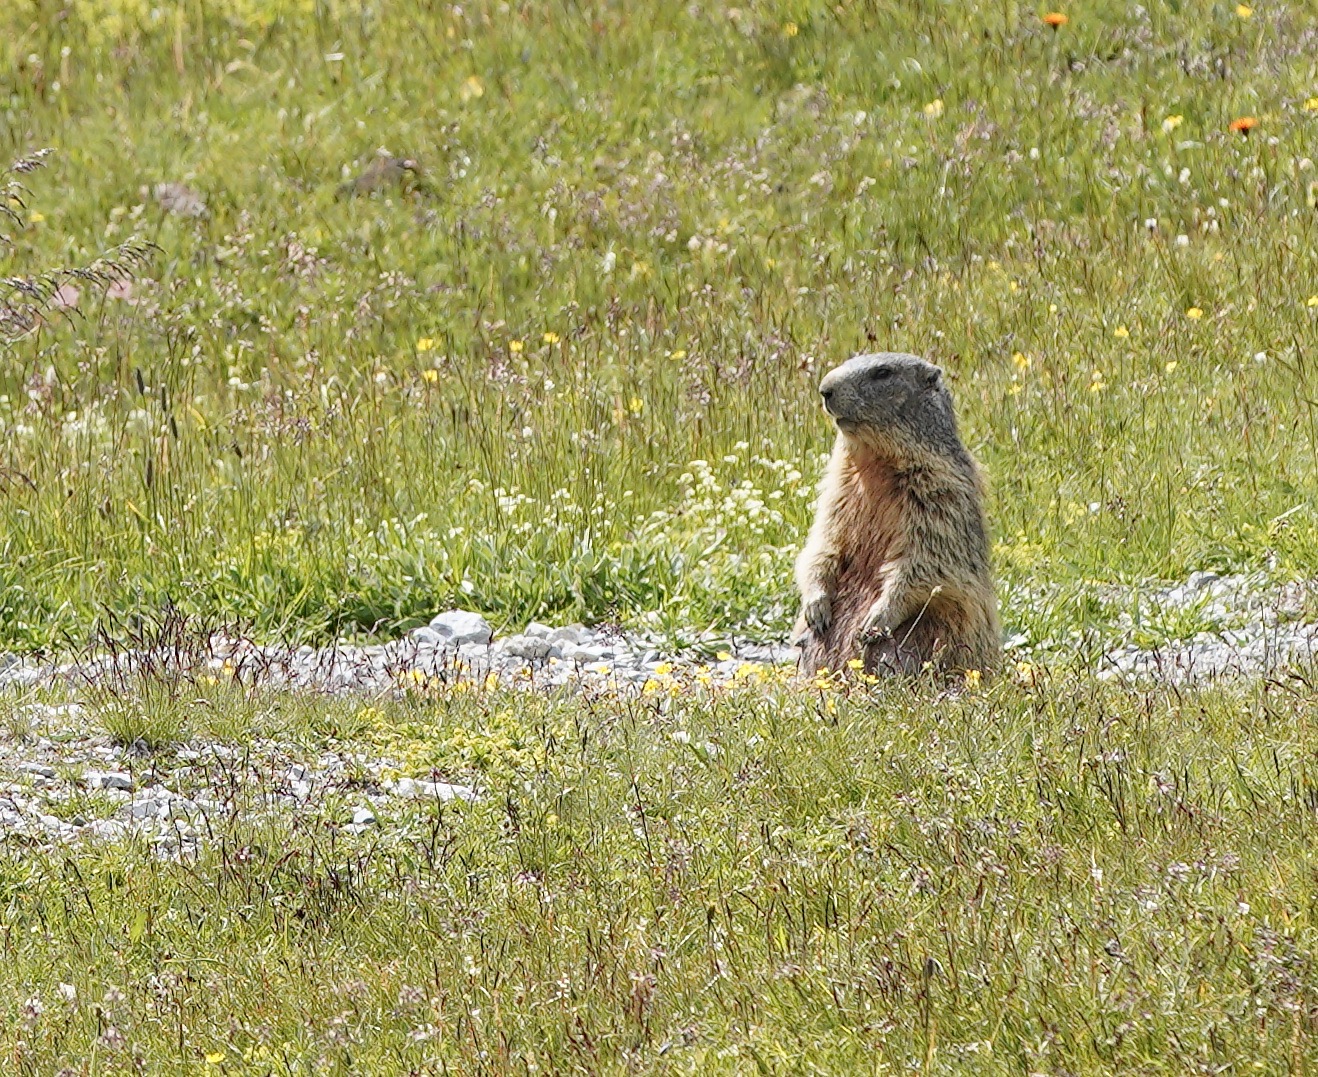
(896, 568)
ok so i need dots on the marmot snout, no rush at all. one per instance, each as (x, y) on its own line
(896, 567)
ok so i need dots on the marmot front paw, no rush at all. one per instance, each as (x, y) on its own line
(817, 612)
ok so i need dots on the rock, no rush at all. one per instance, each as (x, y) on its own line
(145, 807)
(363, 817)
(180, 199)
(411, 787)
(538, 631)
(108, 829)
(103, 779)
(425, 635)
(530, 647)
(39, 769)
(1199, 580)
(570, 634)
(462, 626)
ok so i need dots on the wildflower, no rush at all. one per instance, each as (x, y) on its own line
(973, 677)
(1244, 124)
(1171, 123)
(214, 1058)
(934, 109)
(1311, 105)
(636, 405)
(431, 375)
(680, 353)
(1121, 332)
(663, 669)
(1055, 19)
(424, 344)
(1313, 301)
(1169, 366)
(790, 29)
(1096, 382)
(1021, 360)
(550, 338)
(855, 663)
(35, 217)
(723, 656)
(471, 88)
(1194, 314)
(1244, 11)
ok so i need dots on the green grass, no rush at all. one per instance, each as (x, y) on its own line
(257, 439)
(570, 376)
(1044, 877)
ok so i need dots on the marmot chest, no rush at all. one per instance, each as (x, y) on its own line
(871, 523)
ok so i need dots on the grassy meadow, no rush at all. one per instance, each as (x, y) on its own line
(565, 370)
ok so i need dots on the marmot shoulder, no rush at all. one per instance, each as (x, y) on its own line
(896, 567)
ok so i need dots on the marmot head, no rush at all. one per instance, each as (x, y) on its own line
(888, 397)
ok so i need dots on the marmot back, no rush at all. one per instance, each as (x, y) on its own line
(896, 568)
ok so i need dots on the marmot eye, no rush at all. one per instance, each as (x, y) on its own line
(880, 372)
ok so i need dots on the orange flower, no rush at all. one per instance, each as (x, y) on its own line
(1055, 19)
(1244, 124)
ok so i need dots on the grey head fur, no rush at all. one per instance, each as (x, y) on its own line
(889, 397)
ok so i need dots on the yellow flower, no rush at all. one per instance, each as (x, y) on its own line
(1171, 123)
(514, 346)
(36, 218)
(431, 375)
(1311, 105)
(1194, 314)
(1313, 301)
(424, 344)
(1096, 383)
(680, 353)
(973, 677)
(663, 669)
(1121, 332)
(472, 88)
(1021, 360)
(215, 1057)
(723, 656)
(1244, 11)
(790, 29)
(934, 109)
(550, 338)
(636, 405)
(855, 663)
(1169, 366)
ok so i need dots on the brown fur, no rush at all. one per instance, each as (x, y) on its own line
(898, 551)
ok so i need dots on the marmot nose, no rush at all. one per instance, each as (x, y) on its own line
(826, 392)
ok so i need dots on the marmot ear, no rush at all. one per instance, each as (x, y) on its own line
(933, 377)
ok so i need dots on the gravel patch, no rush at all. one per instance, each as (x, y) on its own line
(81, 786)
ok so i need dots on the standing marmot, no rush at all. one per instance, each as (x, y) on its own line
(897, 562)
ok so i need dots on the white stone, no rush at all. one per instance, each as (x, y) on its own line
(102, 779)
(462, 626)
(526, 647)
(538, 631)
(363, 817)
(39, 769)
(425, 635)
(411, 787)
